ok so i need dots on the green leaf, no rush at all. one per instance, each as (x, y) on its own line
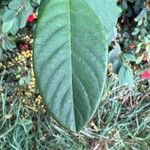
(126, 76)
(136, 31)
(8, 15)
(8, 43)
(139, 47)
(24, 13)
(70, 60)
(37, 1)
(15, 4)
(116, 65)
(108, 13)
(114, 53)
(129, 57)
(15, 27)
(7, 26)
(9, 18)
(148, 49)
(139, 59)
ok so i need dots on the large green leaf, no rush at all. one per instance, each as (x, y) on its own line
(70, 59)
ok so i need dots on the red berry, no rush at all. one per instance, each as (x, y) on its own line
(145, 74)
(31, 18)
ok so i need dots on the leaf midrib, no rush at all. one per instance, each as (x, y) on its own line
(70, 43)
